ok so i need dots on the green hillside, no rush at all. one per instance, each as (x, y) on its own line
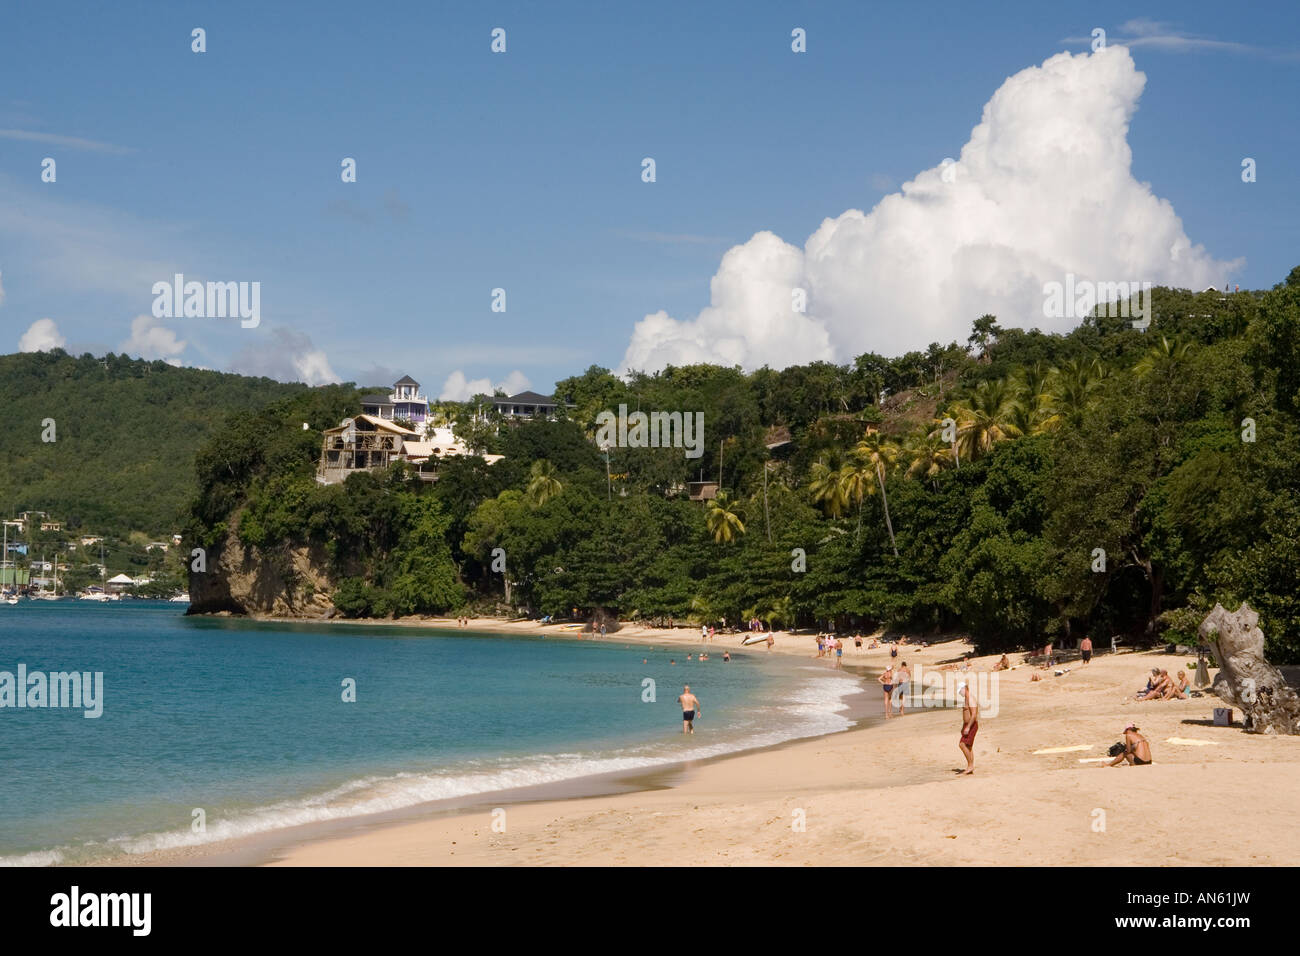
(1026, 488)
(126, 432)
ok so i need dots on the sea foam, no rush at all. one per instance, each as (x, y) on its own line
(811, 708)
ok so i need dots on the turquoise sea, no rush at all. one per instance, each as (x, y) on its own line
(246, 721)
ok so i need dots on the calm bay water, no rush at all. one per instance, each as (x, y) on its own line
(247, 721)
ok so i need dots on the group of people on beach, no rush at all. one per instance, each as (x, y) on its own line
(1135, 750)
(828, 645)
(898, 688)
(1160, 686)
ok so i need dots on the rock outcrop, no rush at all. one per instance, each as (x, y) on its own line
(1245, 679)
(287, 581)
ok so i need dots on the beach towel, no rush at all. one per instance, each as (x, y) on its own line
(1063, 750)
(1191, 742)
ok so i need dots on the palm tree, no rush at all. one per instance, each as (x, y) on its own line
(927, 454)
(856, 481)
(781, 610)
(724, 520)
(703, 609)
(826, 488)
(1162, 359)
(1075, 389)
(1034, 410)
(987, 416)
(543, 485)
(877, 453)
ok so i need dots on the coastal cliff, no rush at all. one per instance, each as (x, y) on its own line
(284, 581)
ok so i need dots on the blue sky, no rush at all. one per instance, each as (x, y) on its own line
(523, 170)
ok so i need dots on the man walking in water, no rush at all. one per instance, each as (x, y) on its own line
(970, 712)
(903, 687)
(690, 709)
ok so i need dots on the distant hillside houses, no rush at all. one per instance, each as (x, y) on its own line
(374, 440)
(526, 405)
(404, 403)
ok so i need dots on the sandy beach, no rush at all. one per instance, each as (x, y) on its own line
(886, 792)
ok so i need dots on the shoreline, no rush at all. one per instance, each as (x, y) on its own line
(884, 793)
(267, 846)
(276, 846)
(786, 642)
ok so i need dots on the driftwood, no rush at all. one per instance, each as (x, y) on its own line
(1245, 679)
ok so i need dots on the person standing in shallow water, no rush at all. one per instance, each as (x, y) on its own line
(904, 687)
(887, 682)
(690, 709)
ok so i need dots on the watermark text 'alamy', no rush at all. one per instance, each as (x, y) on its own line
(651, 430)
(211, 300)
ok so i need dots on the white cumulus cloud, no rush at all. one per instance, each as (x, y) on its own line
(41, 336)
(1044, 187)
(458, 388)
(151, 339)
(289, 356)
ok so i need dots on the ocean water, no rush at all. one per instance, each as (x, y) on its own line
(246, 721)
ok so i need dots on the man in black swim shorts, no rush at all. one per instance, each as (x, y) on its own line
(690, 707)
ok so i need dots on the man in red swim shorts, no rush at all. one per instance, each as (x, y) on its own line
(970, 725)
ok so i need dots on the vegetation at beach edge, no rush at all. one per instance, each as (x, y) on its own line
(1107, 481)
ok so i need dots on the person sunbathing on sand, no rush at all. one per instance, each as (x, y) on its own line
(1003, 664)
(1151, 684)
(1178, 691)
(1163, 684)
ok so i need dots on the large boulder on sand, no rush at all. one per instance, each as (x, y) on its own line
(1245, 679)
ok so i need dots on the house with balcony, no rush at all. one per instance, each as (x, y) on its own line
(377, 406)
(527, 405)
(409, 404)
(405, 402)
(363, 443)
(369, 443)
